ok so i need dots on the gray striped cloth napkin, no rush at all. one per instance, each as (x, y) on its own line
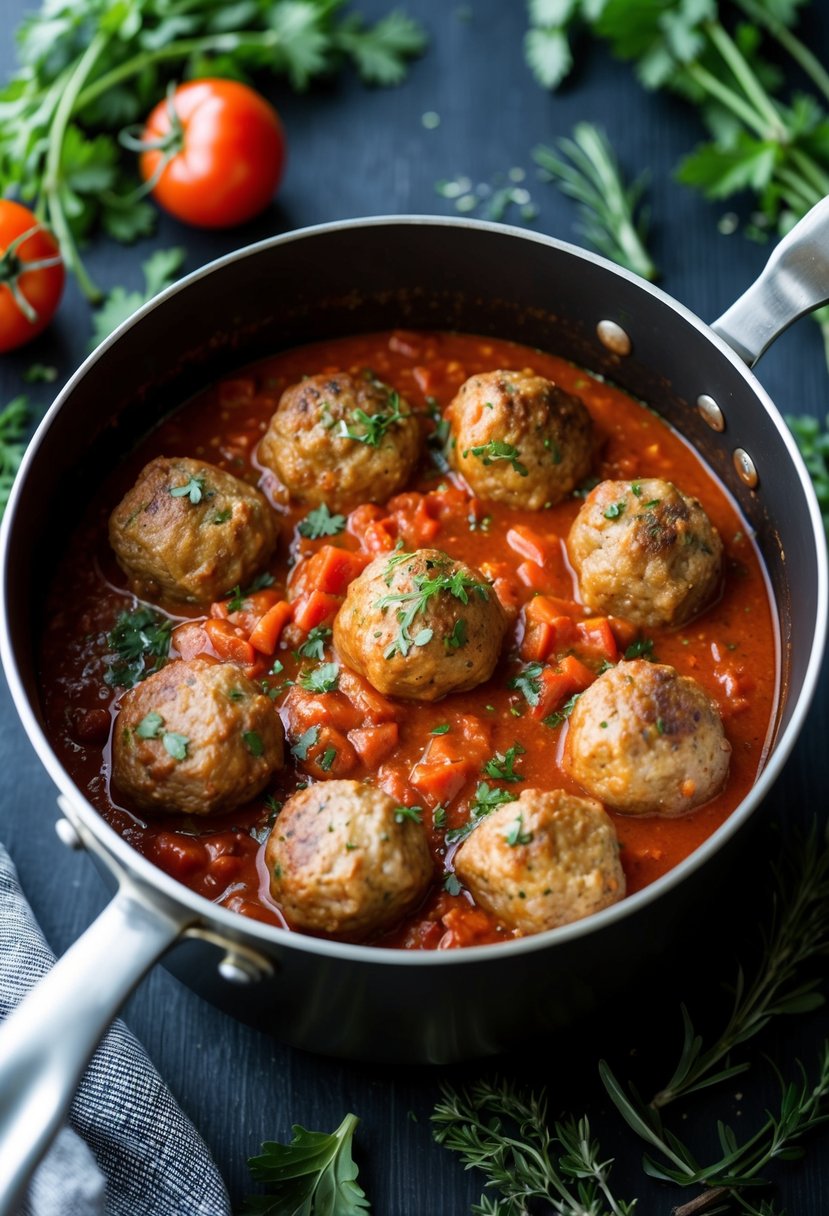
(128, 1149)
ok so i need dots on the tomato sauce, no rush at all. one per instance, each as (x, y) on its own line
(730, 649)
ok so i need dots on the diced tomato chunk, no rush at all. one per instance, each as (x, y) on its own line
(268, 629)
(537, 643)
(373, 743)
(190, 640)
(596, 635)
(335, 568)
(331, 756)
(537, 578)
(625, 632)
(360, 518)
(549, 607)
(440, 783)
(228, 643)
(367, 700)
(557, 685)
(379, 536)
(318, 608)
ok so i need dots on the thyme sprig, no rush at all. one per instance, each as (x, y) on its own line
(612, 219)
(506, 1136)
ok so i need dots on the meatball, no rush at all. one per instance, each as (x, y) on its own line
(646, 740)
(542, 861)
(343, 858)
(341, 440)
(645, 551)
(188, 531)
(196, 737)
(420, 625)
(518, 439)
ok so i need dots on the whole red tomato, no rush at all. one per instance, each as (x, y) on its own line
(31, 275)
(217, 149)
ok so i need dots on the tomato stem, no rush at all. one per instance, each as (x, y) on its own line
(12, 267)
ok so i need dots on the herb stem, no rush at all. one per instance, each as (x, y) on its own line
(810, 64)
(52, 177)
(726, 96)
(812, 171)
(776, 129)
(227, 41)
(797, 193)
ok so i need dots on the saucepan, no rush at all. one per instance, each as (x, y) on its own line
(326, 282)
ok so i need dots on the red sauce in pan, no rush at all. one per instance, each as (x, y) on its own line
(730, 649)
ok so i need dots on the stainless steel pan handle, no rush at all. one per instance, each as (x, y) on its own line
(48, 1040)
(794, 281)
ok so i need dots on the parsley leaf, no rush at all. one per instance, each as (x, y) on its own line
(192, 489)
(641, 649)
(615, 510)
(380, 51)
(516, 834)
(561, 715)
(322, 679)
(456, 583)
(374, 426)
(497, 449)
(140, 642)
(487, 799)
(160, 270)
(175, 744)
(314, 1174)
(528, 682)
(253, 742)
(13, 421)
(150, 726)
(299, 749)
(320, 522)
(314, 645)
(502, 766)
(402, 813)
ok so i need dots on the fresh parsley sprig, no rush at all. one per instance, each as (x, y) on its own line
(506, 1136)
(321, 522)
(14, 419)
(611, 217)
(410, 604)
(371, 429)
(140, 643)
(314, 1175)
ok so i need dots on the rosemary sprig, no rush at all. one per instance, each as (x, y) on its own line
(505, 1134)
(612, 218)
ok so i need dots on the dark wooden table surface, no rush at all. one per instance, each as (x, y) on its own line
(355, 151)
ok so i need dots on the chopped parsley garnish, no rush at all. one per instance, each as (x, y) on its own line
(237, 595)
(320, 522)
(497, 449)
(150, 726)
(322, 679)
(457, 584)
(502, 765)
(552, 446)
(641, 649)
(374, 426)
(439, 816)
(306, 740)
(314, 645)
(561, 715)
(528, 682)
(221, 517)
(192, 489)
(487, 799)
(443, 729)
(141, 643)
(516, 834)
(458, 637)
(175, 744)
(654, 502)
(415, 813)
(586, 486)
(636, 489)
(615, 510)
(235, 694)
(660, 726)
(327, 758)
(253, 742)
(451, 885)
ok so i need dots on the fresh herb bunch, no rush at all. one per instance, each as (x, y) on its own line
(88, 69)
(813, 441)
(713, 53)
(14, 420)
(314, 1175)
(506, 1135)
(159, 270)
(140, 642)
(611, 217)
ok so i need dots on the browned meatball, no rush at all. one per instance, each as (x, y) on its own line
(341, 440)
(188, 531)
(196, 737)
(646, 740)
(645, 551)
(420, 625)
(519, 439)
(542, 861)
(343, 858)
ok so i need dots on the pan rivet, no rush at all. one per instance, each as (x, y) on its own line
(614, 338)
(710, 412)
(67, 834)
(238, 970)
(745, 468)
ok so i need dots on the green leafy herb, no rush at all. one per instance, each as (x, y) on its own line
(506, 1136)
(495, 450)
(237, 595)
(314, 645)
(192, 489)
(175, 744)
(458, 637)
(615, 510)
(314, 1175)
(439, 816)
(443, 581)
(402, 813)
(253, 742)
(528, 682)
(322, 679)
(560, 716)
(373, 427)
(222, 517)
(14, 419)
(327, 758)
(452, 885)
(160, 270)
(487, 799)
(306, 740)
(585, 168)
(320, 522)
(813, 441)
(443, 729)
(502, 766)
(40, 373)
(642, 648)
(150, 726)
(140, 642)
(516, 834)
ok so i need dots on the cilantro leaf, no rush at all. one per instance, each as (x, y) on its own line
(300, 747)
(160, 271)
(380, 51)
(140, 642)
(528, 683)
(548, 55)
(14, 419)
(175, 744)
(320, 522)
(487, 799)
(314, 1175)
(322, 679)
(314, 645)
(371, 429)
(502, 765)
(498, 449)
